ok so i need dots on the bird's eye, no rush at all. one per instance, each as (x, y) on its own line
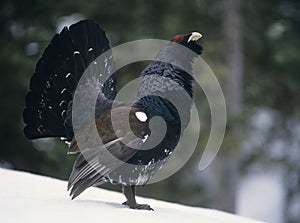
(178, 38)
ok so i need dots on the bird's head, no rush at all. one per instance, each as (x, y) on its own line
(190, 41)
(181, 50)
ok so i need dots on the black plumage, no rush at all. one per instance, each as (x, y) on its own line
(48, 111)
(56, 76)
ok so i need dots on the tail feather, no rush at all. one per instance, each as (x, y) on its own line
(83, 184)
(85, 174)
(56, 77)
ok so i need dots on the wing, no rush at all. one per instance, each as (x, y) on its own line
(92, 165)
(97, 160)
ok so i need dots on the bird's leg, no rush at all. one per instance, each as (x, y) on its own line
(133, 189)
(130, 196)
(129, 192)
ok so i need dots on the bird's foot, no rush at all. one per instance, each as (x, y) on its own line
(139, 206)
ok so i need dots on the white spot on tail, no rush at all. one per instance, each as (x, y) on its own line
(63, 90)
(61, 103)
(141, 116)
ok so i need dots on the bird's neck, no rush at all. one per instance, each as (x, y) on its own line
(178, 56)
(165, 80)
(166, 91)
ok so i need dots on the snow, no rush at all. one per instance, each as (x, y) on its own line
(29, 198)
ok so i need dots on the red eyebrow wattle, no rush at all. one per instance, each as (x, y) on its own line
(178, 38)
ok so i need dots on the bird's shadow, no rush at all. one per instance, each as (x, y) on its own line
(102, 203)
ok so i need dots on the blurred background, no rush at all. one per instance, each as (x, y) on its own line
(252, 46)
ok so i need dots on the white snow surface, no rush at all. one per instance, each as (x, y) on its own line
(29, 198)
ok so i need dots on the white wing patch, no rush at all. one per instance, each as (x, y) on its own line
(141, 116)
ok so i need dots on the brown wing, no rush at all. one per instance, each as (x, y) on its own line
(97, 160)
(90, 139)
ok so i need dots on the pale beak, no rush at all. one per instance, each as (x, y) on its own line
(194, 37)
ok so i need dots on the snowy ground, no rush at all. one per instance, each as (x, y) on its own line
(28, 198)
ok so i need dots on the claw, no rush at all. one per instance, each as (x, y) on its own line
(139, 206)
(143, 207)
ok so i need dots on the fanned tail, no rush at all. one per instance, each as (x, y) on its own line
(47, 106)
